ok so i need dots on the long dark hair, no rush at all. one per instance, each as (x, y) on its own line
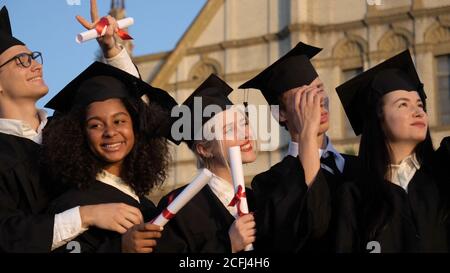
(374, 153)
(67, 158)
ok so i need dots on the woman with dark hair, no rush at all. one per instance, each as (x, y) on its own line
(395, 205)
(108, 146)
(210, 222)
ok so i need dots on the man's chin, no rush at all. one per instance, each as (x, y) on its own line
(42, 92)
(323, 128)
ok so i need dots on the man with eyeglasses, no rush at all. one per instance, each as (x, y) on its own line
(24, 59)
(24, 191)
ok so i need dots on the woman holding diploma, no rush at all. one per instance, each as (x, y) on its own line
(107, 145)
(25, 192)
(212, 221)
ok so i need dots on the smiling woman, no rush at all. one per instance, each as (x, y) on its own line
(107, 146)
(219, 226)
(109, 132)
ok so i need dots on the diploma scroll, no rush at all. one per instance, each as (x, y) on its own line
(92, 34)
(237, 172)
(185, 196)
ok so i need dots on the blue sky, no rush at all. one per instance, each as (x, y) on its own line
(50, 26)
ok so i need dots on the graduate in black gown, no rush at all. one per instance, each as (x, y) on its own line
(209, 223)
(442, 170)
(295, 197)
(395, 204)
(24, 194)
(109, 146)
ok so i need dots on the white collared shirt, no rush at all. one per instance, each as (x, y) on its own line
(339, 159)
(116, 182)
(402, 173)
(225, 192)
(67, 226)
(123, 61)
(22, 129)
(68, 223)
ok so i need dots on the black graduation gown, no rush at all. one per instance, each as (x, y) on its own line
(415, 225)
(24, 196)
(201, 226)
(95, 239)
(289, 216)
(442, 170)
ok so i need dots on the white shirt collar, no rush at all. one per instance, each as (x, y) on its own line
(21, 129)
(339, 159)
(292, 149)
(117, 183)
(225, 192)
(402, 173)
(123, 62)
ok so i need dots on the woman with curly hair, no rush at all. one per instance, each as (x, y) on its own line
(107, 146)
(210, 222)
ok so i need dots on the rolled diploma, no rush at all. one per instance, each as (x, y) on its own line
(185, 196)
(92, 34)
(237, 172)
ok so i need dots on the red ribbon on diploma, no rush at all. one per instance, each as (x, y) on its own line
(166, 213)
(104, 23)
(237, 200)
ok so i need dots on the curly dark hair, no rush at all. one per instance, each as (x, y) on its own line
(67, 158)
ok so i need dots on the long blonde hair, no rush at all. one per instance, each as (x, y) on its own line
(216, 153)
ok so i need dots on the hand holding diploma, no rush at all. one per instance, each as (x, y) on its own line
(107, 26)
(237, 172)
(101, 29)
(185, 196)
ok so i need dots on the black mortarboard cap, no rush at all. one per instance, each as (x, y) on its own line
(292, 70)
(6, 38)
(100, 82)
(213, 91)
(396, 73)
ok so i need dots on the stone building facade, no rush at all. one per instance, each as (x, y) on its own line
(238, 38)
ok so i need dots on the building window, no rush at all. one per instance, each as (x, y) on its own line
(347, 75)
(443, 87)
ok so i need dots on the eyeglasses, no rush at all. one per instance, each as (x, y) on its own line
(25, 59)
